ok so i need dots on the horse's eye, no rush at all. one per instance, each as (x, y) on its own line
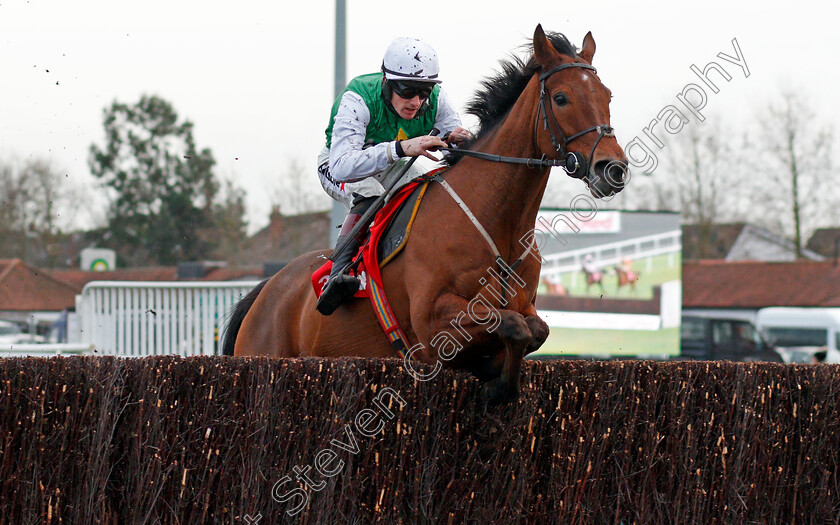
(561, 99)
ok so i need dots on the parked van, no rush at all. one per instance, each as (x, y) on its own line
(803, 335)
(719, 339)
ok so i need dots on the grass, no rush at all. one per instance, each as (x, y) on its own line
(574, 341)
(652, 271)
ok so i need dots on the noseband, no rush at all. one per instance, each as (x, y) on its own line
(551, 124)
(570, 162)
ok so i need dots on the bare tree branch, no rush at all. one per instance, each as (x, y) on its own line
(798, 153)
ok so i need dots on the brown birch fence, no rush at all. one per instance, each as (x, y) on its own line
(228, 440)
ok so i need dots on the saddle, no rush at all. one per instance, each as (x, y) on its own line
(398, 226)
(388, 235)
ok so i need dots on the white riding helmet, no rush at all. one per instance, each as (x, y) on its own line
(410, 59)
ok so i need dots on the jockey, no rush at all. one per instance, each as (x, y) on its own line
(591, 268)
(626, 266)
(379, 118)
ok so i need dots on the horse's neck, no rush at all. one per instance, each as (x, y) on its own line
(506, 197)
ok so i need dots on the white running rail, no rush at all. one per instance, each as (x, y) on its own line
(45, 349)
(157, 318)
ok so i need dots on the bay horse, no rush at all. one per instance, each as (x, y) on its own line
(594, 277)
(626, 276)
(543, 111)
(554, 287)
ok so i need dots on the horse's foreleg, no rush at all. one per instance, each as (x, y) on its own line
(479, 326)
(516, 335)
(538, 327)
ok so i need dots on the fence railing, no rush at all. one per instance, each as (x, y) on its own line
(157, 318)
(612, 253)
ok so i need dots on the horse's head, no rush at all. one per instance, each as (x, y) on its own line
(574, 117)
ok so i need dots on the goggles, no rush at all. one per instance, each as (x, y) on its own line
(409, 90)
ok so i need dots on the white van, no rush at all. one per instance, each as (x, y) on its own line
(800, 334)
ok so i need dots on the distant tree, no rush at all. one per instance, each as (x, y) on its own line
(13, 198)
(793, 168)
(707, 171)
(228, 232)
(163, 187)
(297, 191)
(36, 203)
(701, 176)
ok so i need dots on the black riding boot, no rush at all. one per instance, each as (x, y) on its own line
(340, 285)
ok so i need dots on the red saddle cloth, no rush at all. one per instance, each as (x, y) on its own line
(368, 267)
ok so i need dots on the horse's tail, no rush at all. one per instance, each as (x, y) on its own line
(235, 322)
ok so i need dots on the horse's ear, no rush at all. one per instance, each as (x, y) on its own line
(543, 50)
(588, 50)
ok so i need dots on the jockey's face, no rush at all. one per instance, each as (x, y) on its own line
(406, 108)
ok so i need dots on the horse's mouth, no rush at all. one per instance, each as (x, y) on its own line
(607, 177)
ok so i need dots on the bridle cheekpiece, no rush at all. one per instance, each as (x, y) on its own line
(574, 160)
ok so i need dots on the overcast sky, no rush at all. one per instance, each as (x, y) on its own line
(255, 78)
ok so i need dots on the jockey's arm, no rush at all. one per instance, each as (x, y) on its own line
(348, 161)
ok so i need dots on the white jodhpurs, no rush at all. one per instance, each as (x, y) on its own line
(343, 191)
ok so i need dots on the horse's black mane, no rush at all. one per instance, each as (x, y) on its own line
(497, 94)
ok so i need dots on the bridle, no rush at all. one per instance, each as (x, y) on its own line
(550, 123)
(570, 162)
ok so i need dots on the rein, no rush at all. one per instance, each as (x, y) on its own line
(571, 162)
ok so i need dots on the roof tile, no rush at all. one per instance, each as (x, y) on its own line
(27, 289)
(756, 284)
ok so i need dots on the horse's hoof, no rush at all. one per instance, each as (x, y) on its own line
(497, 393)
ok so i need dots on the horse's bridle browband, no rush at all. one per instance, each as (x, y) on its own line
(571, 162)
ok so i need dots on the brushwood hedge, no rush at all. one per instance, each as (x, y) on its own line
(233, 440)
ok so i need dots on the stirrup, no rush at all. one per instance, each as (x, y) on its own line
(336, 292)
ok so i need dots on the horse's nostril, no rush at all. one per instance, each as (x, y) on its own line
(615, 172)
